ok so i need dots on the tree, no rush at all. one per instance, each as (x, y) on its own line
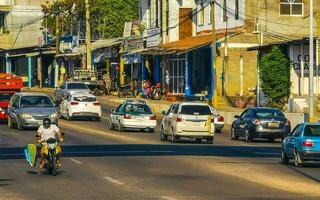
(107, 17)
(275, 77)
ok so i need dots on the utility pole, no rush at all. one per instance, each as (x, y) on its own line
(56, 67)
(318, 49)
(214, 100)
(311, 73)
(88, 36)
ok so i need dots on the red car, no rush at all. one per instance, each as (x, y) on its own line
(9, 84)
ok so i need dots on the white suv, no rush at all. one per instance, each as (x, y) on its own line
(190, 120)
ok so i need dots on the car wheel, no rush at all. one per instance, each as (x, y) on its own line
(111, 126)
(10, 125)
(210, 140)
(151, 130)
(120, 127)
(68, 116)
(163, 137)
(284, 157)
(233, 135)
(198, 140)
(19, 125)
(298, 162)
(271, 140)
(217, 130)
(248, 136)
(173, 137)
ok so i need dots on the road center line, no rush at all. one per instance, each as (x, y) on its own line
(112, 180)
(76, 161)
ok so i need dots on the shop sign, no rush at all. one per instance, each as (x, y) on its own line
(69, 44)
(296, 56)
(131, 59)
(100, 55)
(153, 37)
(131, 44)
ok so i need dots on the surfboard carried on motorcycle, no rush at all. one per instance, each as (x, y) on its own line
(30, 152)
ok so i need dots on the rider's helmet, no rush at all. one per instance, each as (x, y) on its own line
(46, 123)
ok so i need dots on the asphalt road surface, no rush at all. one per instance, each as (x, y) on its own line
(103, 164)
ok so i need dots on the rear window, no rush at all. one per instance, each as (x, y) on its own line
(312, 131)
(269, 113)
(195, 110)
(84, 99)
(77, 86)
(5, 97)
(137, 108)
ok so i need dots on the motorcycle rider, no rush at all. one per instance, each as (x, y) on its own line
(46, 131)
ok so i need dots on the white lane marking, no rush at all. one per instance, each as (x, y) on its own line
(168, 198)
(266, 153)
(76, 161)
(112, 180)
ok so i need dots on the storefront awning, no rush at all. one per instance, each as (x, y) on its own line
(5, 8)
(99, 44)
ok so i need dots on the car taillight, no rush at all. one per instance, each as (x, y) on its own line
(179, 119)
(212, 119)
(308, 144)
(220, 119)
(127, 117)
(256, 121)
(288, 123)
(153, 117)
(96, 104)
(74, 103)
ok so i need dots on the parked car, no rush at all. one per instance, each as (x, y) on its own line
(190, 120)
(79, 105)
(133, 115)
(218, 120)
(302, 144)
(29, 109)
(266, 123)
(69, 87)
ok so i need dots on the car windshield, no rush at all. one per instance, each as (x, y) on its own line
(137, 108)
(84, 99)
(5, 97)
(77, 86)
(195, 110)
(266, 113)
(35, 101)
(312, 131)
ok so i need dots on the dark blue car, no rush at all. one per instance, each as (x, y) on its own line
(302, 144)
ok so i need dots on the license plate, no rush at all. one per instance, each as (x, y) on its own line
(273, 124)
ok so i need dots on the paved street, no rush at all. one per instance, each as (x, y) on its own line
(103, 164)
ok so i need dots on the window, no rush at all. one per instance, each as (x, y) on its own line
(236, 9)
(267, 113)
(195, 110)
(35, 101)
(2, 22)
(77, 86)
(225, 15)
(312, 131)
(137, 108)
(157, 13)
(201, 14)
(85, 99)
(291, 7)
(150, 13)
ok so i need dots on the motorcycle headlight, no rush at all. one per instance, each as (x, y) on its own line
(54, 115)
(25, 116)
(52, 146)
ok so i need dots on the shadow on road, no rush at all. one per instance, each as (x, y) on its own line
(152, 150)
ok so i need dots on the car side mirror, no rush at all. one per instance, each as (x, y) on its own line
(163, 112)
(113, 110)
(237, 116)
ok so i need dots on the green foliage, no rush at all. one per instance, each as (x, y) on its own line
(107, 17)
(275, 77)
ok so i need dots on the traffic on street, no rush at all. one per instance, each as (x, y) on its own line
(98, 162)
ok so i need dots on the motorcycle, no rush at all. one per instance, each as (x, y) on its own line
(126, 90)
(51, 152)
(156, 91)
